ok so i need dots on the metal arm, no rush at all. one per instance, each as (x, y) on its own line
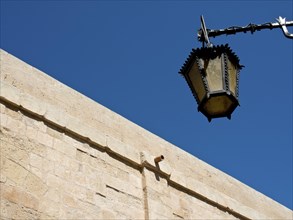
(282, 23)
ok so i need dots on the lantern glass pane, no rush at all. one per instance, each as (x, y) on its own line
(214, 74)
(232, 73)
(218, 105)
(197, 82)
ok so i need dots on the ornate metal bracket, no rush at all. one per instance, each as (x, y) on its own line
(284, 24)
(204, 34)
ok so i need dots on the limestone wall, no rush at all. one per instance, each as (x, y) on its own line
(64, 156)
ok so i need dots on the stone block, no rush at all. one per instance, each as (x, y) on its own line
(56, 115)
(36, 148)
(159, 209)
(67, 212)
(36, 160)
(69, 200)
(89, 196)
(85, 131)
(80, 179)
(35, 185)
(82, 156)
(13, 171)
(107, 214)
(7, 60)
(178, 178)
(123, 187)
(34, 123)
(7, 209)
(2, 106)
(126, 151)
(96, 136)
(3, 121)
(64, 147)
(165, 167)
(45, 139)
(53, 194)
(135, 179)
(56, 134)
(79, 192)
(73, 124)
(54, 181)
(18, 196)
(32, 104)
(11, 151)
(74, 166)
(3, 178)
(50, 207)
(63, 172)
(16, 126)
(10, 93)
(31, 133)
(70, 141)
(146, 159)
(37, 172)
(53, 155)
(96, 183)
(66, 161)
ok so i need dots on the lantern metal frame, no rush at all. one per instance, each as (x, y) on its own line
(209, 53)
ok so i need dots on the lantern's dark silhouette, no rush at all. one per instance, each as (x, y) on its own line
(212, 74)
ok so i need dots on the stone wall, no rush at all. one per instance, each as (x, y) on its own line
(64, 156)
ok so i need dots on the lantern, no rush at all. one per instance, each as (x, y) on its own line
(212, 74)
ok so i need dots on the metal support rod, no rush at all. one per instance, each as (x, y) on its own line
(204, 32)
(282, 23)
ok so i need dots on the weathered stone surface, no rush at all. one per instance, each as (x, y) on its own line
(32, 104)
(14, 125)
(44, 139)
(19, 196)
(35, 185)
(49, 207)
(64, 156)
(36, 161)
(123, 149)
(9, 92)
(13, 171)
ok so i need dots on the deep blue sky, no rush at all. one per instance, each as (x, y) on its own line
(126, 55)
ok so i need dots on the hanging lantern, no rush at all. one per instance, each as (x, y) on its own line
(212, 74)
